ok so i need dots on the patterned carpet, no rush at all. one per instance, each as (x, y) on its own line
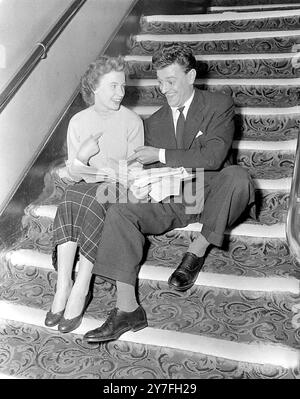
(266, 113)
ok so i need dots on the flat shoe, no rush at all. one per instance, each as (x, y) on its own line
(68, 325)
(52, 319)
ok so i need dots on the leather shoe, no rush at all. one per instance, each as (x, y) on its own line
(68, 325)
(117, 323)
(53, 318)
(186, 273)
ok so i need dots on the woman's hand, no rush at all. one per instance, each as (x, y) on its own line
(89, 148)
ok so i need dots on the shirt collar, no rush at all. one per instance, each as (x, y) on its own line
(186, 105)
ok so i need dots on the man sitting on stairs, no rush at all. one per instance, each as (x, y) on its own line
(195, 130)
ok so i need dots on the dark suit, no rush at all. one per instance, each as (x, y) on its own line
(227, 191)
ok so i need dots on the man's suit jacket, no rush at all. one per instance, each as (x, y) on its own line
(207, 140)
(210, 118)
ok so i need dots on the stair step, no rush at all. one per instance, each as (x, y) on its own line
(216, 43)
(266, 20)
(215, 276)
(245, 92)
(271, 198)
(34, 286)
(254, 123)
(224, 66)
(150, 349)
(223, 312)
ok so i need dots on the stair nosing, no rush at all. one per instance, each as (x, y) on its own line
(204, 37)
(220, 17)
(225, 56)
(268, 111)
(252, 352)
(223, 81)
(262, 6)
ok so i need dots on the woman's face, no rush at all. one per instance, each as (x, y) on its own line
(110, 91)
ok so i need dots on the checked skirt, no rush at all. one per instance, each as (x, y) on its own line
(79, 218)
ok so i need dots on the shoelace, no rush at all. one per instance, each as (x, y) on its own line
(111, 316)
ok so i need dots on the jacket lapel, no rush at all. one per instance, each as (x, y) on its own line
(168, 130)
(194, 119)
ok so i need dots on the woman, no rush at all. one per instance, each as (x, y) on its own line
(98, 137)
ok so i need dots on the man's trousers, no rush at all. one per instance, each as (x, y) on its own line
(123, 237)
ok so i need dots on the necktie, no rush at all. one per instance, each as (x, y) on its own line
(180, 128)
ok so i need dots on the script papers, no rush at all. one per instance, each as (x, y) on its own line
(157, 183)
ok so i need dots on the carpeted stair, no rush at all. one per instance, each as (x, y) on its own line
(240, 320)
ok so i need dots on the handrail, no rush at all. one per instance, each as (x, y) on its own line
(293, 217)
(38, 54)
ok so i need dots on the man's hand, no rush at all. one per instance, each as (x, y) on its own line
(145, 155)
(89, 148)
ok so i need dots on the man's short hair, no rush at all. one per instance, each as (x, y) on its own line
(175, 53)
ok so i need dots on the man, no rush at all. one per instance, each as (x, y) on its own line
(194, 130)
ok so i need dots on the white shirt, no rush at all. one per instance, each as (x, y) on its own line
(175, 114)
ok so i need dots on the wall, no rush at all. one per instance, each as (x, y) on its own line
(26, 121)
(23, 23)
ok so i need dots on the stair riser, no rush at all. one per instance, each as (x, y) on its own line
(266, 24)
(264, 127)
(224, 69)
(243, 46)
(239, 256)
(223, 314)
(267, 127)
(253, 160)
(243, 96)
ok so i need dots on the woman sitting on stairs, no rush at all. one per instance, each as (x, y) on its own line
(98, 137)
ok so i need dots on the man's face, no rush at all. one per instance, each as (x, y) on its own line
(110, 91)
(176, 84)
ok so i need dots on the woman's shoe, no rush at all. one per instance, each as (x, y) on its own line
(68, 325)
(53, 318)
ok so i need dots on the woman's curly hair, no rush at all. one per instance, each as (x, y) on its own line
(90, 80)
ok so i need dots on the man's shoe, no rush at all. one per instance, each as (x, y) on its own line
(68, 325)
(187, 272)
(117, 323)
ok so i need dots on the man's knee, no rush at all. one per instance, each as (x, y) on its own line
(238, 176)
(118, 211)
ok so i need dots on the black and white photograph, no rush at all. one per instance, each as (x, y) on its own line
(149, 193)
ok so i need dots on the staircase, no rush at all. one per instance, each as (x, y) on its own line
(240, 318)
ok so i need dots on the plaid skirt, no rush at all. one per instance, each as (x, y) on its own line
(79, 218)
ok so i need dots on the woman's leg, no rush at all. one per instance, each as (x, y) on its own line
(80, 289)
(72, 227)
(87, 221)
(65, 256)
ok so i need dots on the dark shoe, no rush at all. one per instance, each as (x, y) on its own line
(68, 325)
(186, 273)
(117, 323)
(53, 318)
